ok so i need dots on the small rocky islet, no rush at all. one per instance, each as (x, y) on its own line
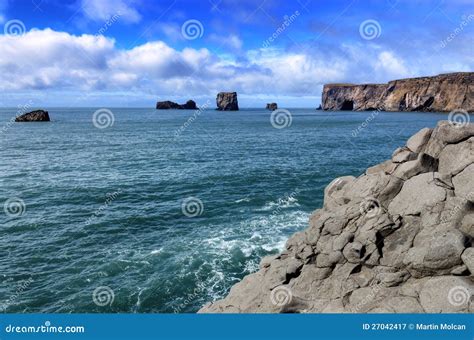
(397, 239)
(34, 116)
(272, 106)
(167, 105)
(227, 101)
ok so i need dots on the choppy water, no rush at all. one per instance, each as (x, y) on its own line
(103, 207)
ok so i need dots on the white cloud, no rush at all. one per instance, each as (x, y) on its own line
(102, 10)
(61, 62)
(391, 65)
(46, 59)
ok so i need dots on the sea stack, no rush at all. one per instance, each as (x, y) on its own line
(227, 101)
(166, 105)
(34, 116)
(272, 106)
(442, 93)
(397, 239)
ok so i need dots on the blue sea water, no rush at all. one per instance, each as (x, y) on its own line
(164, 211)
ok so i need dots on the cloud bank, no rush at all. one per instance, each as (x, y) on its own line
(58, 61)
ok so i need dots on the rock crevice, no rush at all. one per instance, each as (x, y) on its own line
(397, 239)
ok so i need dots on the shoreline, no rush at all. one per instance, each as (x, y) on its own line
(376, 246)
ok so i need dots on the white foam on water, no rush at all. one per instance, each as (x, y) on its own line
(255, 237)
(281, 203)
(245, 199)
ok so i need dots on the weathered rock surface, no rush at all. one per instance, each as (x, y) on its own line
(442, 93)
(34, 116)
(227, 101)
(166, 105)
(397, 239)
(272, 106)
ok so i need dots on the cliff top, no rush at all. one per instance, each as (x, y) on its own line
(442, 75)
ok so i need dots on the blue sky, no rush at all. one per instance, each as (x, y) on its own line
(133, 53)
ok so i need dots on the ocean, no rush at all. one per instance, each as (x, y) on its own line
(147, 211)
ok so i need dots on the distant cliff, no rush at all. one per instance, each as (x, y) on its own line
(442, 93)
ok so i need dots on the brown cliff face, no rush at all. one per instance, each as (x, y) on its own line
(442, 93)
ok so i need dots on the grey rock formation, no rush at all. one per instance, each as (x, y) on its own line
(166, 105)
(397, 239)
(34, 116)
(272, 106)
(227, 101)
(445, 92)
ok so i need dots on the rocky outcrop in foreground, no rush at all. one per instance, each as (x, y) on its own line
(442, 93)
(34, 116)
(272, 106)
(166, 105)
(227, 101)
(397, 239)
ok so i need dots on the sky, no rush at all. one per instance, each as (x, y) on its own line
(132, 53)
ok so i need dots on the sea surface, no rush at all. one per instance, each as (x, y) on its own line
(163, 211)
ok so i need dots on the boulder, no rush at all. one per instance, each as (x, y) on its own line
(463, 183)
(166, 105)
(227, 101)
(34, 116)
(272, 106)
(416, 142)
(417, 194)
(397, 239)
(468, 259)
